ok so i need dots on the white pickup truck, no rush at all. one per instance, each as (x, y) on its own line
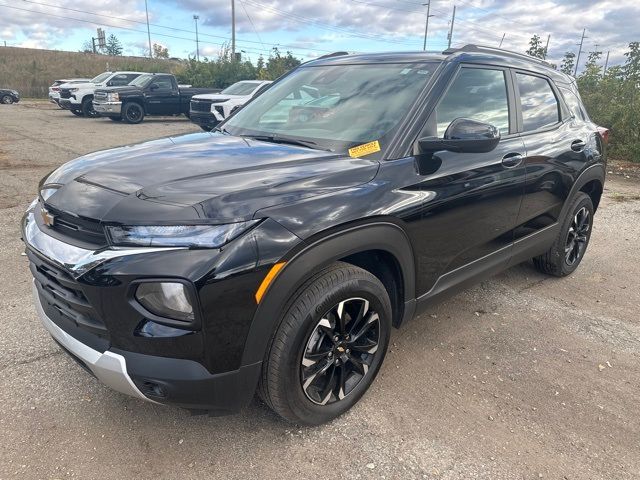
(78, 97)
(207, 110)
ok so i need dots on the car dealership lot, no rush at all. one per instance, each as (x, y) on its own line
(521, 376)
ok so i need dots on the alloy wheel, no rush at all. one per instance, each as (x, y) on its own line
(340, 351)
(577, 236)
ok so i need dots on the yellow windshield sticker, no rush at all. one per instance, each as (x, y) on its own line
(364, 149)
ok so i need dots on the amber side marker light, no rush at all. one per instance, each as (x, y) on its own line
(268, 279)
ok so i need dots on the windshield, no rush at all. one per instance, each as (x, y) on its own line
(334, 106)
(100, 78)
(141, 81)
(240, 88)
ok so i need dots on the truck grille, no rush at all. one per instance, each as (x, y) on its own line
(65, 93)
(62, 296)
(100, 96)
(200, 105)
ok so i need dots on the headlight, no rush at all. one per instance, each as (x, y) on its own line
(113, 97)
(47, 191)
(166, 299)
(73, 89)
(203, 236)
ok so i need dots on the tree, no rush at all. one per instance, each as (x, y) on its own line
(535, 47)
(568, 63)
(159, 51)
(277, 65)
(114, 47)
(87, 46)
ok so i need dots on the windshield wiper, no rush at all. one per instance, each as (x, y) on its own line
(288, 141)
(221, 130)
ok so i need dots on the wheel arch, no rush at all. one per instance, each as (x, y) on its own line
(591, 182)
(358, 245)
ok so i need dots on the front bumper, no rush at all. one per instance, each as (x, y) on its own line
(108, 109)
(204, 119)
(66, 104)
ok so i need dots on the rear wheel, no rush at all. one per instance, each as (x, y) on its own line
(7, 99)
(132, 112)
(329, 346)
(567, 251)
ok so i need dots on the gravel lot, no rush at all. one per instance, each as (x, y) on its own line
(520, 377)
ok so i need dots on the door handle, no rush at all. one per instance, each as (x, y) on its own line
(511, 160)
(578, 145)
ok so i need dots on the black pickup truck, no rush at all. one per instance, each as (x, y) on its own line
(149, 94)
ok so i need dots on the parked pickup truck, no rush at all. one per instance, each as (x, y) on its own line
(78, 97)
(150, 94)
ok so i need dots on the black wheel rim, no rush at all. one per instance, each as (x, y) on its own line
(577, 236)
(340, 351)
(133, 113)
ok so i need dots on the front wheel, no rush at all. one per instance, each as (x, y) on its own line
(132, 112)
(76, 112)
(7, 99)
(87, 108)
(329, 346)
(567, 251)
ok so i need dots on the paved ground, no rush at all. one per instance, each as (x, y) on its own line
(521, 377)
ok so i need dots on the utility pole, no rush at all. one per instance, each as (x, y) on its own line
(453, 19)
(606, 63)
(426, 25)
(503, 35)
(546, 48)
(196, 17)
(233, 29)
(148, 31)
(575, 72)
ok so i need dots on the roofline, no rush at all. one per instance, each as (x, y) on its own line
(473, 48)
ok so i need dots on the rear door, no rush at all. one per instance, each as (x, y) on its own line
(555, 143)
(162, 96)
(472, 200)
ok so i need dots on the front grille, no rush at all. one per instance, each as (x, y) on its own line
(65, 93)
(62, 296)
(82, 229)
(100, 96)
(201, 105)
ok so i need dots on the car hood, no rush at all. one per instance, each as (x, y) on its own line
(78, 85)
(217, 97)
(220, 178)
(120, 90)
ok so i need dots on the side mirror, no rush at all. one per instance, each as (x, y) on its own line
(154, 86)
(463, 135)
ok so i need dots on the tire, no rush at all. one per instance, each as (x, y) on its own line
(87, 108)
(115, 119)
(132, 113)
(307, 341)
(6, 99)
(206, 129)
(569, 248)
(77, 113)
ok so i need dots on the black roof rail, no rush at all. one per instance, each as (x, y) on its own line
(334, 54)
(498, 51)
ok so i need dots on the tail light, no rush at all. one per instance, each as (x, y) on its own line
(604, 133)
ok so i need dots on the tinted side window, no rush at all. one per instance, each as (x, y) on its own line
(539, 104)
(119, 80)
(131, 77)
(479, 94)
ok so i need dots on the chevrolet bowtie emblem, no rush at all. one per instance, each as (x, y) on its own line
(47, 217)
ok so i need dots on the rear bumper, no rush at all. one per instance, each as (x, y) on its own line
(108, 109)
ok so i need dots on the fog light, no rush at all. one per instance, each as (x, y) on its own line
(166, 299)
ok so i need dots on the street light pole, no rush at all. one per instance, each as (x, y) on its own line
(196, 17)
(148, 30)
(426, 25)
(233, 29)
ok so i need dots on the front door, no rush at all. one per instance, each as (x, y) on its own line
(471, 200)
(162, 97)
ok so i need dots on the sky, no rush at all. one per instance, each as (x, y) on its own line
(310, 28)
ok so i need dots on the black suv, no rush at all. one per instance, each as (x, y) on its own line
(277, 252)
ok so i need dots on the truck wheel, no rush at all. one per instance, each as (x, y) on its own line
(132, 112)
(328, 347)
(87, 108)
(567, 251)
(7, 99)
(76, 112)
